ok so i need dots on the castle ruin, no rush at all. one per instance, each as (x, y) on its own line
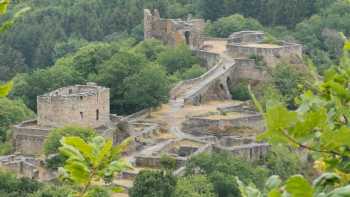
(228, 60)
(173, 31)
(81, 105)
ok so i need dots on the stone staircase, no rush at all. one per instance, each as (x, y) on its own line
(188, 88)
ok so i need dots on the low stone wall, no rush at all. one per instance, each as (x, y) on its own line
(249, 152)
(138, 115)
(154, 161)
(208, 59)
(200, 126)
(22, 166)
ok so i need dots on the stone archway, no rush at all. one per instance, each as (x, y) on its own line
(188, 37)
(229, 82)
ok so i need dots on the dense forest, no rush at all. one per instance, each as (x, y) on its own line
(64, 42)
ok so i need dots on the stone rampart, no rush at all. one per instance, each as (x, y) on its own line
(208, 59)
(271, 55)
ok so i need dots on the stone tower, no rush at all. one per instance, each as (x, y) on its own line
(84, 105)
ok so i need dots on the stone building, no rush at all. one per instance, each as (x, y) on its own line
(82, 105)
(173, 31)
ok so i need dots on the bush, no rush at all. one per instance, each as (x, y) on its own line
(12, 187)
(177, 59)
(240, 91)
(11, 112)
(153, 184)
(288, 80)
(283, 162)
(167, 162)
(52, 191)
(193, 72)
(221, 169)
(52, 143)
(194, 186)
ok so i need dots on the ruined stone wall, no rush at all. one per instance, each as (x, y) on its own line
(28, 138)
(22, 166)
(272, 56)
(201, 126)
(172, 31)
(249, 152)
(90, 110)
(148, 20)
(208, 59)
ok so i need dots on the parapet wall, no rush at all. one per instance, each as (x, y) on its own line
(207, 58)
(272, 56)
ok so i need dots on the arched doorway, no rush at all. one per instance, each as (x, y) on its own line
(188, 37)
(229, 82)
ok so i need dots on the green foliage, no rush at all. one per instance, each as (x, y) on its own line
(221, 169)
(191, 73)
(227, 25)
(7, 24)
(177, 59)
(5, 89)
(29, 85)
(289, 82)
(210, 10)
(11, 112)
(150, 48)
(297, 185)
(194, 186)
(10, 186)
(69, 46)
(153, 184)
(320, 126)
(52, 191)
(142, 91)
(283, 162)
(240, 91)
(96, 160)
(167, 162)
(11, 56)
(52, 143)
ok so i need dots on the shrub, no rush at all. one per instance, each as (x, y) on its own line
(52, 143)
(153, 184)
(194, 186)
(240, 91)
(222, 169)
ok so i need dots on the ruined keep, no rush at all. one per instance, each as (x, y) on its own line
(82, 105)
(173, 31)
